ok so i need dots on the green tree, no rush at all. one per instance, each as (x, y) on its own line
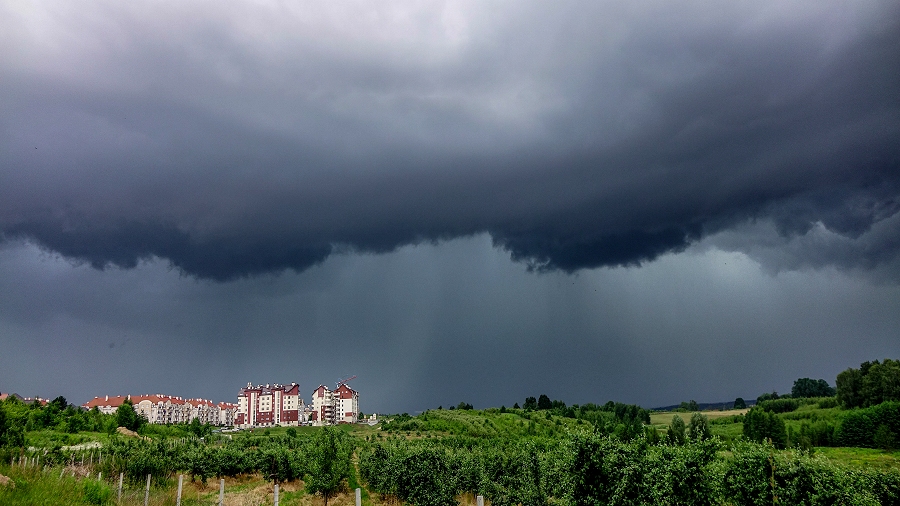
(849, 388)
(530, 404)
(761, 425)
(689, 406)
(808, 387)
(767, 397)
(11, 435)
(739, 403)
(698, 429)
(329, 464)
(675, 435)
(426, 479)
(544, 402)
(881, 383)
(127, 417)
(870, 385)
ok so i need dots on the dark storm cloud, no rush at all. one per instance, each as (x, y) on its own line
(238, 141)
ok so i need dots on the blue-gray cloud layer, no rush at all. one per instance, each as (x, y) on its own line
(238, 139)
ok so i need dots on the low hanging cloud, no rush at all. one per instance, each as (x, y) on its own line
(244, 139)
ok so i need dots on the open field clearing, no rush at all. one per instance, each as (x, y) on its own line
(665, 417)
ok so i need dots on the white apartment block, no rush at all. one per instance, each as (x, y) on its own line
(164, 409)
(333, 407)
(270, 405)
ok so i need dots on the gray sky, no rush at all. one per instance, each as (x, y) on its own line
(478, 202)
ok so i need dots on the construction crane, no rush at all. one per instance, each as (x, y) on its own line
(343, 381)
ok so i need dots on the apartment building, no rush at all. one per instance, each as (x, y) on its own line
(163, 409)
(331, 407)
(270, 405)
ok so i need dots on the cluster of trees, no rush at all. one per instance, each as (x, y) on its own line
(803, 388)
(542, 402)
(761, 425)
(624, 413)
(322, 459)
(874, 427)
(588, 468)
(688, 407)
(18, 418)
(679, 434)
(870, 385)
(11, 434)
(57, 415)
(807, 387)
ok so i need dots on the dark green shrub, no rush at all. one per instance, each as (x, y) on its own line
(96, 492)
(859, 426)
(760, 426)
(782, 405)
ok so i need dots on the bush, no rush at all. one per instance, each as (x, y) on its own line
(859, 426)
(782, 405)
(760, 426)
(698, 430)
(884, 438)
(96, 492)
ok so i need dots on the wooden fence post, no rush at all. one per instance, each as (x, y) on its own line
(276, 494)
(358, 497)
(147, 492)
(119, 497)
(178, 497)
(221, 492)
(480, 500)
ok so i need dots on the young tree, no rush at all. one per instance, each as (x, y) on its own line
(11, 434)
(675, 435)
(126, 416)
(698, 430)
(329, 464)
(760, 425)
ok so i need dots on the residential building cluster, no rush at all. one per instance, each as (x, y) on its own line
(158, 408)
(270, 405)
(257, 406)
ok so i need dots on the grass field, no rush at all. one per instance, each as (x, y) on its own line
(862, 457)
(660, 418)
